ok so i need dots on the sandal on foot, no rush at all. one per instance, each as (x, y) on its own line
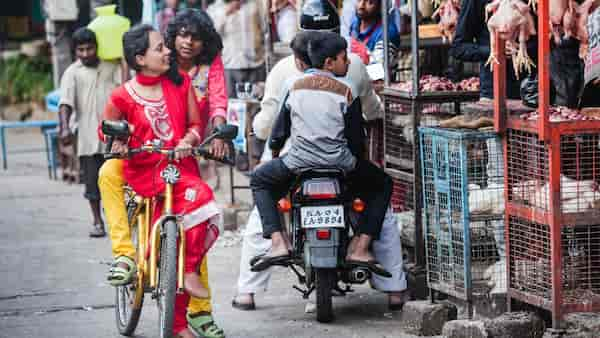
(203, 325)
(97, 231)
(119, 276)
(266, 262)
(243, 306)
(372, 265)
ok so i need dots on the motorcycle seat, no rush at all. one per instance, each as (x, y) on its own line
(321, 172)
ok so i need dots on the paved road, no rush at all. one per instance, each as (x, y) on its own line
(53, 276)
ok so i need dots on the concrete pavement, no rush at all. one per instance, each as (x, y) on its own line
(53, 275)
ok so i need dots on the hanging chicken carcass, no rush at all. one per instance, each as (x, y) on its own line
(448, 14)
(512, 22)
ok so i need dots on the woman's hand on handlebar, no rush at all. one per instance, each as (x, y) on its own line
(119, 147)
(219, 149)
(183, 149)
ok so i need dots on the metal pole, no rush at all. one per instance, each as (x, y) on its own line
(414, 39)
(386, 39)
(416, 117)
(268, 41)
(543, 66)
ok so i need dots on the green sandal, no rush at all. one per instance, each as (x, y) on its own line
(118, 276)
(203, 325)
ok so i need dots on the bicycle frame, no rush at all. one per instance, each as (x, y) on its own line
(150, 236)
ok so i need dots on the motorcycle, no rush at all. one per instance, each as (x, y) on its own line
(322, 220)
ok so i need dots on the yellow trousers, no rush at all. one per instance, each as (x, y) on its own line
(111, 182)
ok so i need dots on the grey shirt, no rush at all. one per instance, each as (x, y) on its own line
(317, 103)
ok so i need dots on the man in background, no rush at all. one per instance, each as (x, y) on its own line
(84, 90)
(242, 26)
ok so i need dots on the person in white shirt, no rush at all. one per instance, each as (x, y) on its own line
(387, 250)
(242, 26)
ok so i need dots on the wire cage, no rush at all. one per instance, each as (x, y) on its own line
(403, 115)
(529, 172)
(399, 133)
(531, 265)
(463, 207)
(553, 197)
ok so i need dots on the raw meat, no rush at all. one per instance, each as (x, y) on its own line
(559, 114)
(511, 21)
(470, 84)
(448, 14)
(430, 83)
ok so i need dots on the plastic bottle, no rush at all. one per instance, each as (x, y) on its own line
(109, 28)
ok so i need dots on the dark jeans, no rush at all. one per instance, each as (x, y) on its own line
(233, 76)
(272, 180)
(90, 166)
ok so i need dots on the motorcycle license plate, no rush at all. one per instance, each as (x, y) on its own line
(330, 216)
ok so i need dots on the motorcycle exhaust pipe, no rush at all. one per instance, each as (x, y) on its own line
(359, 275)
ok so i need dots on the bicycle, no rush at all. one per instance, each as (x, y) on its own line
(160, 274)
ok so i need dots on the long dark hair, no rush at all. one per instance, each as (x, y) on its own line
(197, 23)
(136, 41)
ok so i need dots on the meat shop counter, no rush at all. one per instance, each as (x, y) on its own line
(434, 97)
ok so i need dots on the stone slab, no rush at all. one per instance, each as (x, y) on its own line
(425, 318)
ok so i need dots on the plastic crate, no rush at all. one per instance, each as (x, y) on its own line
(463, 207)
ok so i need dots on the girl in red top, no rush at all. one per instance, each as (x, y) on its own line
(159, 104)
(198, 49)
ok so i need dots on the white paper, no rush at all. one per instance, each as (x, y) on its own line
(375, 71)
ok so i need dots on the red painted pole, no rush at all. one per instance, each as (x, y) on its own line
(543, 68)
(555, 228)
(500, 114)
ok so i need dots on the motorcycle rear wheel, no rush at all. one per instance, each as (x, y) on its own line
(324, 282)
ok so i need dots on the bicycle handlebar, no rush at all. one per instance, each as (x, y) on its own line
(196, 152)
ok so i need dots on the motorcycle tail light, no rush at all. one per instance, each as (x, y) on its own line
(320, 190)
(358, 205)
(323, 234)
(284, 205)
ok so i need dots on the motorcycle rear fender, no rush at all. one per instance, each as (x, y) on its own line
(323, 253)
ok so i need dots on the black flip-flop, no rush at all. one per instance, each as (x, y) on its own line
(372, 265)
(243, 306)
(265, 262)
(256, 258)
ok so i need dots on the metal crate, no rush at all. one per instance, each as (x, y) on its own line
(463, 187)
(530, 266)
(403, 115)
(553, 211)
(399, 133)
(529, 172)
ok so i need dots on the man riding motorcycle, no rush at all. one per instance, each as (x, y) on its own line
(387, 250)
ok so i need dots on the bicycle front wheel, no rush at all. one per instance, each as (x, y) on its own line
(167, 279)
(130, 298)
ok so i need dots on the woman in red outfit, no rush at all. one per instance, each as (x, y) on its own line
(197, 51)
(159, 103)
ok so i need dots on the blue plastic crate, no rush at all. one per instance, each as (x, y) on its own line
(463, 207)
